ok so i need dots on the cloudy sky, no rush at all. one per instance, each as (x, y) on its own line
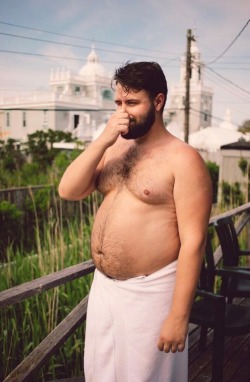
(37, 35)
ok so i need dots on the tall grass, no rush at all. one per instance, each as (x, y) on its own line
(23, 326)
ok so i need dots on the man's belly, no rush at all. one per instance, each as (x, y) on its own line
(132, 238)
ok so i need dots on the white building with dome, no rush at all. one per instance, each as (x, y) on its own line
(211, 138)
(76, 103)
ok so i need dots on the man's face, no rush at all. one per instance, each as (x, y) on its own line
(140, 109)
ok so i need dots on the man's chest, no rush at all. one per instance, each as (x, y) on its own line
(146, 176)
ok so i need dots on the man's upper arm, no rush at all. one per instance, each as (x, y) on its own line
(192, 195)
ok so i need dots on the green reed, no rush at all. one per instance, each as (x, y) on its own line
(59, 244)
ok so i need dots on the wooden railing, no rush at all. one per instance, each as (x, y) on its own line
(37, 358)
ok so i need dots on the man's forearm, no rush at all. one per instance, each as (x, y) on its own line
(187, 276)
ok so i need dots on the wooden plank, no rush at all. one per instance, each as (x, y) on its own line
(50, 344)
(235, 356)
(31, 288)
(243, 373)
(233, 212)
(199, 360)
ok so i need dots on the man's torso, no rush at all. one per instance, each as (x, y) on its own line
(135, 230)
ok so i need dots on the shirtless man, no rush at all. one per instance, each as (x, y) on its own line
(148, 238)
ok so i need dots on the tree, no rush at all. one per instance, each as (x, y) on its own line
(245, 127)
(40, 145)
(11, 156)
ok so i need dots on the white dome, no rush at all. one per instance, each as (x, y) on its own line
(212, 138)
(93, 67)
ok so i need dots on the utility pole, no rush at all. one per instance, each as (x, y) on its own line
(188, 75)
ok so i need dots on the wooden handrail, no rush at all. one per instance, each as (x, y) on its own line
(60, 334)
(233, 212)
(21, 292)
(238, 227)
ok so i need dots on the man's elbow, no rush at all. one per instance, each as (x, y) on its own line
(64, 193)
(69, 194)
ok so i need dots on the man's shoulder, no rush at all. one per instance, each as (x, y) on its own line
(179, 148)
(183, 156)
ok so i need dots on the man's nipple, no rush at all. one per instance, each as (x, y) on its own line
(146, 192)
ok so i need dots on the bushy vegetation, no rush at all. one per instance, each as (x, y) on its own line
(24, 325)
(35, 161)
(213, 169)
(42, 234)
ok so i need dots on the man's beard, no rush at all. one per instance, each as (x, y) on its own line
(138, 130)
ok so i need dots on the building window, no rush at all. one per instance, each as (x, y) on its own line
(205, 116)
(107, 94)
(24, 119)
(77, 90)
(76, 120)
(8, 119)
(199, 72)
(45, 119)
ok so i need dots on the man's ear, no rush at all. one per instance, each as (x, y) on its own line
(159, 100)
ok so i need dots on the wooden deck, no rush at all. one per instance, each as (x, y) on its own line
(236, 357)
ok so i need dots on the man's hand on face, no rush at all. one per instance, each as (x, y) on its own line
(117, 124)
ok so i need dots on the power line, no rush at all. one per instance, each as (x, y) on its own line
(209, 115)
(224, 79)
(229, 88)
(229, 81)
(72, 45)
(69, 58)
(225, 83)
(229, 46)
(81, 38)
(50, 56)
(237, 68)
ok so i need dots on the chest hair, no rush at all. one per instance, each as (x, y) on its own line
(117, 172)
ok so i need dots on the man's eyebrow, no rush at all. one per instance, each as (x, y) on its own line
(128, 100)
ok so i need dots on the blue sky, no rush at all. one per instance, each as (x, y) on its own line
(128, 30)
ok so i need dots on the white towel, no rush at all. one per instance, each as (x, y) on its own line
(124, 320)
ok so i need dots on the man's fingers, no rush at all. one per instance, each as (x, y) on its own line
(181, 347)
(167, 347)
(160, 345)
